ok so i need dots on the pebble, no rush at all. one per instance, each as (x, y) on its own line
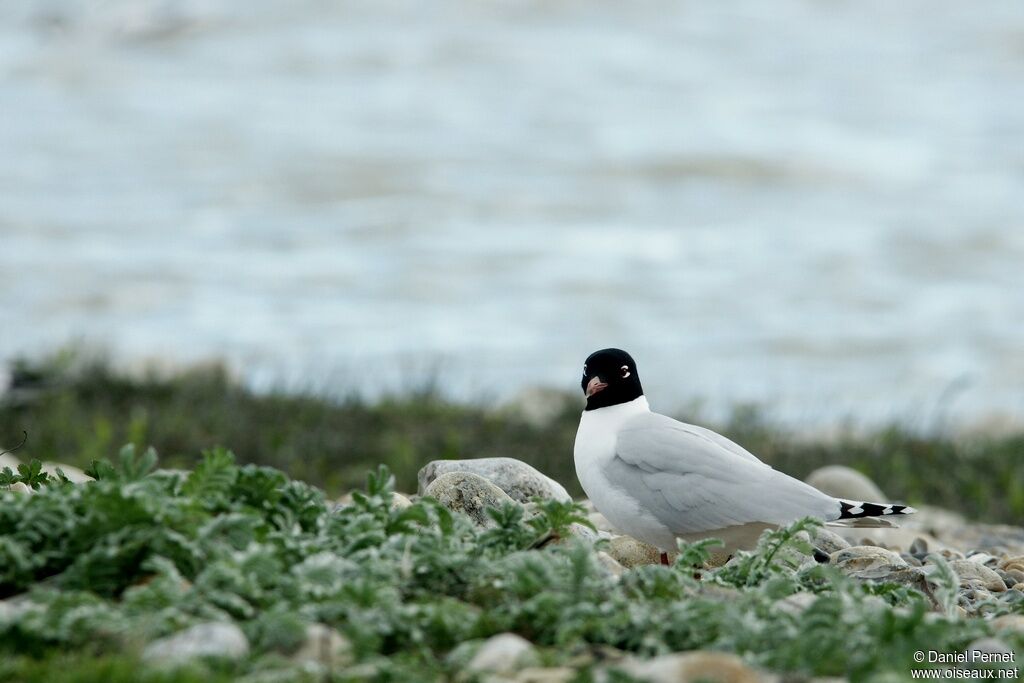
(862, 557)
(990, 646)
(907, 576)
(399, 501)
(20, 487)
(75, 474)
(517, 479)
(976, 575)
(828, 541)
(503, 653)
(1007, 579)
(469, 494)
(13, 609)
(554, 674)
(601, 523)
(983, 559)
(212, 639)
(324, 645)
(911, 560)
(613, 566)
(630, 552)
(1016, 574)
(893, 538)
(690, 667)
(1011, 564)
(796, 603)
(1010, 623)
(845, 482)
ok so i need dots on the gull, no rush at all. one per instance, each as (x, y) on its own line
(660, 480)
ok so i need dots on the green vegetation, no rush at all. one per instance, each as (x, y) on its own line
(75, 411)
(96, 571)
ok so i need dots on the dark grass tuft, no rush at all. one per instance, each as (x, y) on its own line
(75, 412)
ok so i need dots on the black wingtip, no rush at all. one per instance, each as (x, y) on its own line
(851, 509)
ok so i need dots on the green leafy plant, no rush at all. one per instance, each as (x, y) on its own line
(91, 573)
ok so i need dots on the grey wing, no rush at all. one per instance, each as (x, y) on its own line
(693, 483)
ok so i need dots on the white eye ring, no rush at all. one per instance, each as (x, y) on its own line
(625, 371)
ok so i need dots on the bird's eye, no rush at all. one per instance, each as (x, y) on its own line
(584, 368)
(625, 371)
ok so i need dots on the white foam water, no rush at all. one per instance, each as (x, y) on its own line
(814, 206)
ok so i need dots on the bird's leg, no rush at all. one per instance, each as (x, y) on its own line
(664, 559)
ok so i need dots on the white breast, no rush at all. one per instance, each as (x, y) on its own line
(595, 448)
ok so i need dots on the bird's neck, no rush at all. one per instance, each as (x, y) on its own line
(620, 412)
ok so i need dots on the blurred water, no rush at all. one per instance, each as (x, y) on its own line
(815, 205)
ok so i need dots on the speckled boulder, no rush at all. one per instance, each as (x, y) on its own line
(860, 558)
(469, 494)
(630, 552)
(516, 478)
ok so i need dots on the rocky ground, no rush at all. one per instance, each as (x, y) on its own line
(968, 573)
(987, 560)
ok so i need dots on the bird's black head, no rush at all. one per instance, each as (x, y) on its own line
(610, 378)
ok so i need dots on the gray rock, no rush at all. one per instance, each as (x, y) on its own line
(399, 502)
(613, 566)
(1015, 574)
(20, 487)
(690, 667)
(212, 639)
(75, 474)
(324, 645)
(989, 647)
(976, 575)
(983, 559)
(860, 558)
(915, 577)
(844, 482)
(13, 609)
(1013, 564)
(601, 523)
(469, 494)
(911, 560)
(796, 604)
(553, 674)
(503, 653)
(1009, 623)
(514, 477)
(828, 542)
(901, 539)
(1008, 580)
